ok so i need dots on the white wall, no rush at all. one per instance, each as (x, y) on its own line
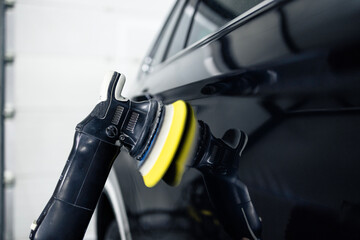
(62, 50)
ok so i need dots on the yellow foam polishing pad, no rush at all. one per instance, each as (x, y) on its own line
(184, 152)
(165, 144)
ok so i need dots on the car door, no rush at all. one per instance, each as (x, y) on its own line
(285, 72)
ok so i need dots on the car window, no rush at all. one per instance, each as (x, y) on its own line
(212, 14)
(181, 33)
(165, 36)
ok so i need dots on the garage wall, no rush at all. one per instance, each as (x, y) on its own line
(62, 49)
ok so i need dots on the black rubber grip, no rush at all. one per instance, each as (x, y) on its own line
(233, 205)
(113, 123)
(218, 161)
(68, 212)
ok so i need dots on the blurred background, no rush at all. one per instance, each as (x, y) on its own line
(57, 52)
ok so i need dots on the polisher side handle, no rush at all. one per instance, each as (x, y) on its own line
(69, 210)
(233, 206)
(218, 161)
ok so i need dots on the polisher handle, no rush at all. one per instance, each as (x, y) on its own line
(69, 210)
(218, 161)
(114, 122)
(96, 145)
(233, 206)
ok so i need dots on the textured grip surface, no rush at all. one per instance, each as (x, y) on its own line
(68, 212)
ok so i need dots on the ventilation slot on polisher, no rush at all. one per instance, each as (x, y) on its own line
(132, 122)
(117, 115)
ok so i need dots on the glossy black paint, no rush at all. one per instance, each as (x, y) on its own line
(288, 75)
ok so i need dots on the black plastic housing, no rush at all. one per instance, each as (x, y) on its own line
(68, 212)
(114, 122)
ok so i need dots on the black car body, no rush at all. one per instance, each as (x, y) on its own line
(288, 74)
